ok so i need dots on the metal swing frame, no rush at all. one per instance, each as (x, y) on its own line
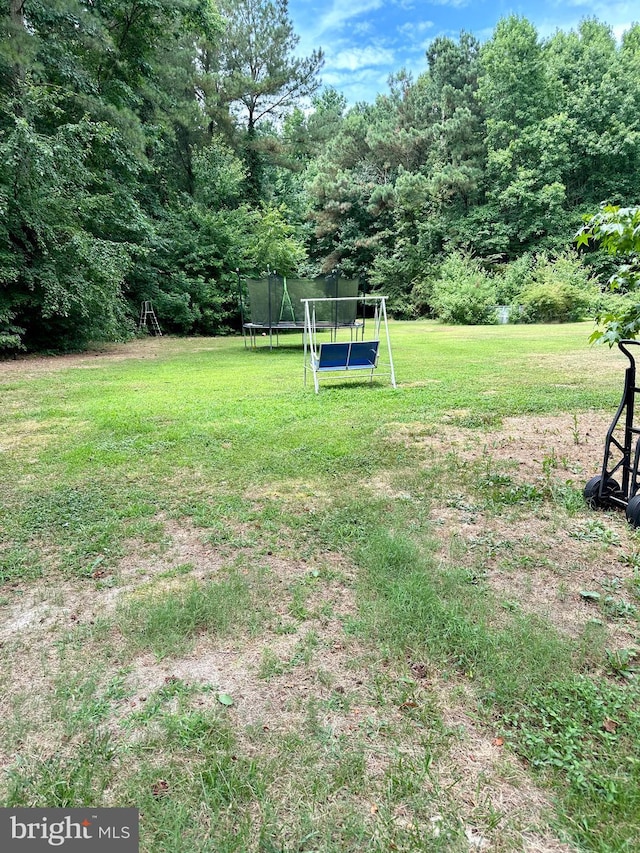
(352, 357)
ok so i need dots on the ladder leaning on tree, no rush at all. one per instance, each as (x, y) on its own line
(148, 316)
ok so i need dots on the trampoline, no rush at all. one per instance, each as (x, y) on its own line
(275, 304)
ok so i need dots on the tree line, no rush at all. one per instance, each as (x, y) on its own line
(151, 148)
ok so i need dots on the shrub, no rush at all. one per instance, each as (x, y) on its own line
(464, 293)
(552, 302)
(560, 291)
(513, 279)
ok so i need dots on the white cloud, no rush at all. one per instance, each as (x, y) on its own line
(405, 5)
(341, 13)
(415, 29)
(363, 28)
(354, 58)
(620, 29)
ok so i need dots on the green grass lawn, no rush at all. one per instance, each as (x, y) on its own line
(368, 619)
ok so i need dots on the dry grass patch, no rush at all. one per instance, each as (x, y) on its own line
(502, 808)
(33, 366)
(300, 677)
(574, 444)
(544, 567)
(539, 555)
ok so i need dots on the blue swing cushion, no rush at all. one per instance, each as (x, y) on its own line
(359, 355)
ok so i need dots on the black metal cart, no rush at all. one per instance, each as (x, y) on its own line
(618, 484)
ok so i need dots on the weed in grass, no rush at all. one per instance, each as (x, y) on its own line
(632, 559)
(594, 530)
(224, 535)
(477, 420)
(327, 679)
(487, 546)
(304, 650)
(549, 463)
(487, 816)
(283, 627)
(575, 431)
(617, 608)
(157, 702)
(298, 604)
(270, 665)
(338, 701)
(633, 584)
(567, 496)
(611, 606)
(612, 585)
(498, 490)
(467, 508)
(587, 733)
(324, 613)
(78, 703)
(623, 663)
(522, 563)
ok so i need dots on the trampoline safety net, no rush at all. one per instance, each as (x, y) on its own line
(276, 301)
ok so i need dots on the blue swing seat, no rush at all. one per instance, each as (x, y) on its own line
(357, 355)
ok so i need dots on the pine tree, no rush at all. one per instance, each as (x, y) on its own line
(257, 74)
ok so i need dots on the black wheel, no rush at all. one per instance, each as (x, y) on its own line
(592, 494)
(633, 511)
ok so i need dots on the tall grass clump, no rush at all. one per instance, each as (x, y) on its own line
(167, 621)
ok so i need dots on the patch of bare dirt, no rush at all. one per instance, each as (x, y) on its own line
(235, 667)
(33, 365)
(541, 557)
(28, 366)
(574, 445)
(544, 567)
(56, 603)
(561, 442)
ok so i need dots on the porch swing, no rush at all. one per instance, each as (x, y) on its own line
(352, 356)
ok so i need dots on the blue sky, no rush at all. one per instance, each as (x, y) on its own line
(366, 40)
